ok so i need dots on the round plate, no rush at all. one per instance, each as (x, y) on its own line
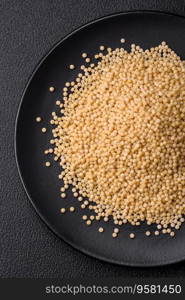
(42, 184)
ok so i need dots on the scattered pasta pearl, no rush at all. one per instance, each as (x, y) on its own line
(62, 210)
(51, 89)
(132, 235)
(38, 119)
(114, 235)
(63, 195)
(88, 222)
(71, 67)
(48, 164)
(84, 217)
(122, 40)
(44, 129)
(156, 232)
(148, 233)
(101, 229)
(72, 209)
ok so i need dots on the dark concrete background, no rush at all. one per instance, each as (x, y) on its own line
(28, 29)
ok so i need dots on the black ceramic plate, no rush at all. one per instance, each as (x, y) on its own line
(42, 184)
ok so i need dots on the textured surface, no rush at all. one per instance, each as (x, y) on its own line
(28, 29)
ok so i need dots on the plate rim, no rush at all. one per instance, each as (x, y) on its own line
(41, 216)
